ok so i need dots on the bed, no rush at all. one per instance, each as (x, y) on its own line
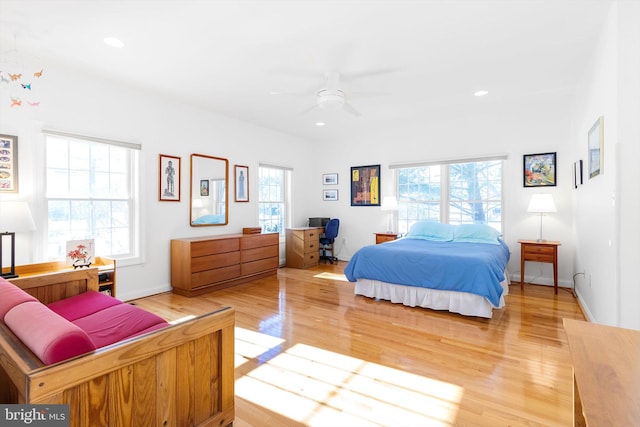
(459, 268)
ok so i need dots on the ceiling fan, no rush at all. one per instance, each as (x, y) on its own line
(330, 96)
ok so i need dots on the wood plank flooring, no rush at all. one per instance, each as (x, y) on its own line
(311, 353)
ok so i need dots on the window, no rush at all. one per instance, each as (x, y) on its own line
(91, 193)
(274, 184)
(454, 193)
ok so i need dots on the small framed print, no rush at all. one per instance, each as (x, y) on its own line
(169, 179)
(330, 178)
(330, 195)
(539, 170)
(596, 148)
(8, 164)
(241, 183)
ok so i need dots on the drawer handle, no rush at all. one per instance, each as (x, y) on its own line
(312, 257)
(311, 234)
(310, 246)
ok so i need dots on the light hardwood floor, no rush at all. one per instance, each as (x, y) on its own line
(310, 352)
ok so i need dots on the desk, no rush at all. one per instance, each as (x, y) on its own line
(606, 374)
(303, 246)
(545, 251)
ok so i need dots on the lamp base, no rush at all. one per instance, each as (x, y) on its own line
(8, 276)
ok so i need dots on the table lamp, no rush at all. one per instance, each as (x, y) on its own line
(390, 205)
(15, 216)
(541, 204)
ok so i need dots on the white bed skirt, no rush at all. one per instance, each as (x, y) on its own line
(415, 296)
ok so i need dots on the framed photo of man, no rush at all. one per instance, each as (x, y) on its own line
(169, 178)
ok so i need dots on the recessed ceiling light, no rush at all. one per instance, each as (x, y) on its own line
(113, 42)
(481, 93)
(320, 123)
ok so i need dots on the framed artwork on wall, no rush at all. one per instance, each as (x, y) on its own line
(169, 178)
(539, 170)
(8, 164)
(330, 195)
(365, 185)
(330, 178)
(596, 148)
(204, 187)
(241, 183)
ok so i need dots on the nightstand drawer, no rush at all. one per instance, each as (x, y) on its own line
(538, 250)
(539, 257)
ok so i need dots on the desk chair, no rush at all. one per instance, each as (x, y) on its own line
(326, 242)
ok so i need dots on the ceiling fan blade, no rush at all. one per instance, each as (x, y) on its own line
(349, 109)
(370, 73)
(308, 110)
(367, 94)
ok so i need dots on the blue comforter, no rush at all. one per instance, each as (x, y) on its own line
(476, 268)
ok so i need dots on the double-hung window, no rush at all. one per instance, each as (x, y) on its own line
(274, 185)
(455, 192)
(91, 193)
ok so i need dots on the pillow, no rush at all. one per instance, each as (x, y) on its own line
(476, 233)
(430, 230)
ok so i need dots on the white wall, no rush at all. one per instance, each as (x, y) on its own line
(607, 231)
(78, 103)
(534, 125)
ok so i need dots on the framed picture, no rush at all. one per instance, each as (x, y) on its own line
(204, 187)
(330, 195)
(577, 173)
(80, 253)
(169, 179)
(596, 148)
(365, 185)
(242, 183)
(330, 178)
(539, 170)
(8, 164)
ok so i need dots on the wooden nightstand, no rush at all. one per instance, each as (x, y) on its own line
(385, 237)
(545, 251)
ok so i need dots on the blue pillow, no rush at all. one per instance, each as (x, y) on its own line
(430, 230)
(476, 233)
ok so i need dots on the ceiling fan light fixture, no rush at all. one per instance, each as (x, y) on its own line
(330, 100)
(113, 42)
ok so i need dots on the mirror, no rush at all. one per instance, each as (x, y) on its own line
(209, 190)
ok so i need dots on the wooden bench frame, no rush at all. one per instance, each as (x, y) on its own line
(182, 375)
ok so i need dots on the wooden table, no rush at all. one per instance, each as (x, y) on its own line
(606, 374)
(543, 251)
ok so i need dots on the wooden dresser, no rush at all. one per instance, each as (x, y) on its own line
(204, 264)
(303, 247)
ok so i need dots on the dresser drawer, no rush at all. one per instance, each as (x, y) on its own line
(311, 259)
(313, 234)
(210, 262)
(250, 255)
(216, 275)
(259, 240)
(211, 247)
(259, 266)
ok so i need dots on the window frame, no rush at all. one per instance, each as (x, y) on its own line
(133, 199)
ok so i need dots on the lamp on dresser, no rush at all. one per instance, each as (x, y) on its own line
(14, 216)
(541, 204)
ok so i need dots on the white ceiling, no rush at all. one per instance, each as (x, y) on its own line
(228, 56)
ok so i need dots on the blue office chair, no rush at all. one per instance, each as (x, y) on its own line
(326, 242)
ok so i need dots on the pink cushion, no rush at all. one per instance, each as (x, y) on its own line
(82, 305)
(116, 323)
(48, 335)
(10, 296)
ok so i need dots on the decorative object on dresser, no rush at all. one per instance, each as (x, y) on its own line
(15, 217)
(169, 178)
(252, 230)
(385, 237)
(303, 246)
(539, 170)
(541, 204)
(546, 251)
(204, 264)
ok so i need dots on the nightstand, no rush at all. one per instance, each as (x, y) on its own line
(545, 251)
(385, 237)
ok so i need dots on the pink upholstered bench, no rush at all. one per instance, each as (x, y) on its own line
(73, 326)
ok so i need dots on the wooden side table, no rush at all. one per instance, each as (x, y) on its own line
(545, 251)
(385, 237)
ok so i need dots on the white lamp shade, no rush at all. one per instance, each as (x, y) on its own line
(389, 203)
(15, 217)
(541, 203)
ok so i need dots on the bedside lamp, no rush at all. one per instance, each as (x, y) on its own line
(390, 205)
(14, 216)
(541, 204)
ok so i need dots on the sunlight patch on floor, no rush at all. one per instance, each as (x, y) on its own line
(332, 276)
(250, 344)
(319, 387)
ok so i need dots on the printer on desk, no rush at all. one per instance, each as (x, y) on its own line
(318, 222)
